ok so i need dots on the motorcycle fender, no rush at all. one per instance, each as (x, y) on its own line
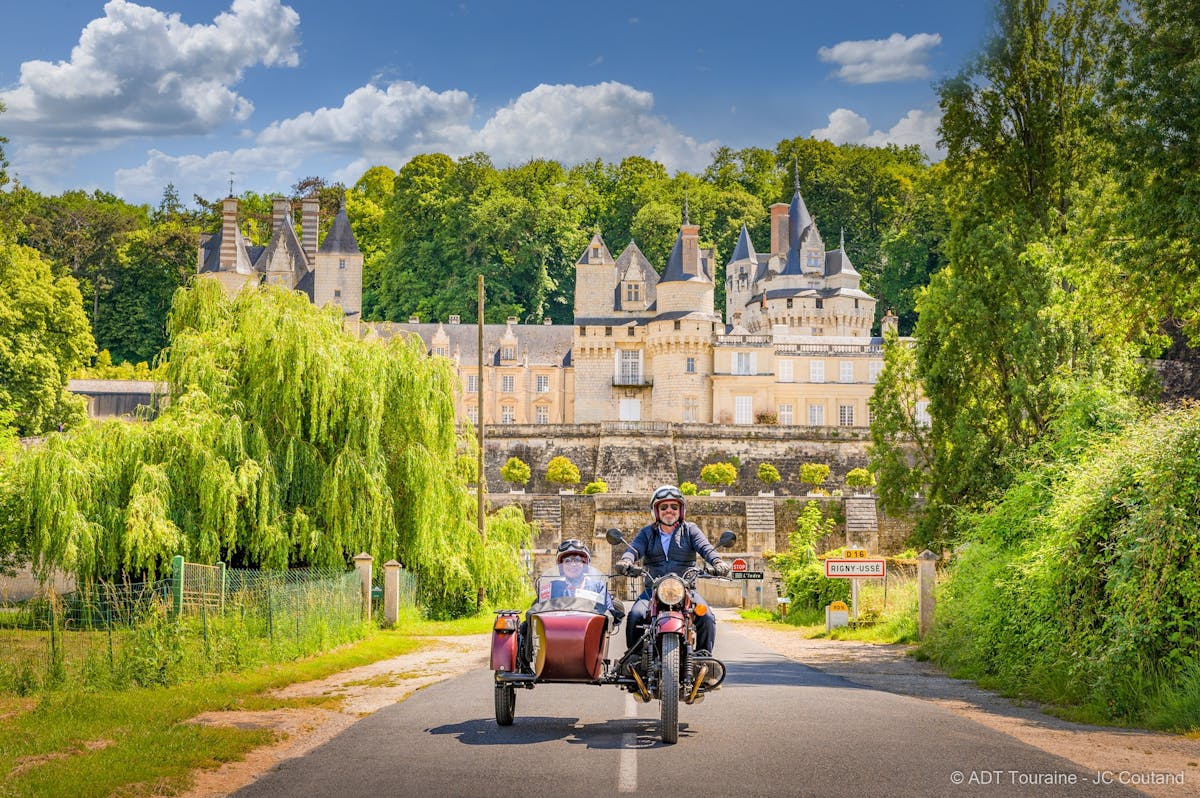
(504, 651)
(670, 623)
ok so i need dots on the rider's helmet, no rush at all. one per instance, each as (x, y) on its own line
(573, 547)
(664, 493)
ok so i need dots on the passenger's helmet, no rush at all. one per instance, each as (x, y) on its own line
(573, 547)
(664, 493)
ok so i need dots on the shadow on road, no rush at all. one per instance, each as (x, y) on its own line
(775, 671)
(535, 729)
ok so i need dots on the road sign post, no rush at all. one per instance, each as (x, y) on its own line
(855, 566)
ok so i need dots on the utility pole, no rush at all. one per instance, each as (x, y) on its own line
(480, 479)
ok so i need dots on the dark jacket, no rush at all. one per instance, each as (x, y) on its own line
(687, 542)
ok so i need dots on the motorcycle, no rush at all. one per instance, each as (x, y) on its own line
(565, 639)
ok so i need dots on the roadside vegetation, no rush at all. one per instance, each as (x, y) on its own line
(139, 742)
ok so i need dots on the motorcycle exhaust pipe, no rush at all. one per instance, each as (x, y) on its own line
(696, 687)
(643, 693)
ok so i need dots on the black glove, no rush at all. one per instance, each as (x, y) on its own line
(720, 568)
(622, 567)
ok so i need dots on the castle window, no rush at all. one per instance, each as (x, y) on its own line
(542, 414)
(874, 369)
(846, 371)
(472, 383)
(440, 351)
(632, 332)
(506, 383)
(595, 252)
(508, 415)
(785, 371)
(743, 409)
(856, 304)
(846, 415)
(543, 383)
(337, 293)
(633, 292)
(341, 263)
(582, 330)
(473, 414)
(691, 365)
(820, 303)
(816, 415)
(816, 371)
(923, 417)
(678, 325)
(508, 353)
(691, 408)
(785, 414)
(608, 331)
(789, 302)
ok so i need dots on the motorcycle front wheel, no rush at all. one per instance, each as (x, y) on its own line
(506, 704)
(669, 689)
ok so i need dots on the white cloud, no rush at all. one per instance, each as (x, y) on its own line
(137, 71)
(577, 123)
(881, 60)
(389, 125)
(916, 127)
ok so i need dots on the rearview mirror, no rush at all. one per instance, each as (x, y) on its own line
(727, 539)
(613, 536)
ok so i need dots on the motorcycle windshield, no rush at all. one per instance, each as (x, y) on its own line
(567, 589)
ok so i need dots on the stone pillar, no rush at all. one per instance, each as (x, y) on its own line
(229, 214)
(362, 564)
(391, 592)
(926, 603)
(310, 212)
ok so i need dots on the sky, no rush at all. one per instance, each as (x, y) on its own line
(129, 96)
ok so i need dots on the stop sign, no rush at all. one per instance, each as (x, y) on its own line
(738, 565)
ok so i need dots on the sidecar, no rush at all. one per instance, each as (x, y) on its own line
(564, 639)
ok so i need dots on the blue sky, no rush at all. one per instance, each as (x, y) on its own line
(127, 96)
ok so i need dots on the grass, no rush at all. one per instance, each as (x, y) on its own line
(893, 620)
(137, 742)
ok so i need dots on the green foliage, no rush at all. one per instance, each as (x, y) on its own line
(599, 486)
(860, 478)
(104, 369)
(287, 442)
(1082, 585)
(803, 574)
(900, 447)
(814, 474)
(44, 338)
(719, 473)
(561, 471)
(516, 471)
(687, 488)
(768, 474)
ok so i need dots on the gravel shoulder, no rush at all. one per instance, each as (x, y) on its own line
(891, 668)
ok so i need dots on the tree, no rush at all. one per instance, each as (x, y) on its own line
(900, 450)
(768, 474)
(995, 339)
(860, 478)
(3, 160)
(515, 471)
(561, 471)
(814, 474)
(592, 488)
(724, 474)
(1155, 130)
(44, 338)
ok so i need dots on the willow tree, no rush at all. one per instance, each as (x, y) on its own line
(287, 442)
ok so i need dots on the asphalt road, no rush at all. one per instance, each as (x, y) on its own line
(776, 728)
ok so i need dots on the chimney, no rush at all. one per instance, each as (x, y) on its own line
(779, 228)
(229, 213)
(889, 323)
(455, 318)
(310, 212)
(689, 235)
(546, 322)
(281, 212)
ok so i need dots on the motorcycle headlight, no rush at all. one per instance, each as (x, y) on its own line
(670, 591)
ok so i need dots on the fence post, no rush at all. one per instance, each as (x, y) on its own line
(391, 592)
(177, 583)
(926, 577)
(221, 603)
(362, 564)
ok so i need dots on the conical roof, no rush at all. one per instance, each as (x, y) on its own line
(604, 255)
(744, 250)
(340, 238)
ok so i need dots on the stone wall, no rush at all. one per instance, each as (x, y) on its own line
(636, 457)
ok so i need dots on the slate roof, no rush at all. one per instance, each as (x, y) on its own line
(744, 249)
(340, 238)
(305, 284)
(605, 255)
(674, 271)
(283, 245)
(630, 257)
(838, 262)
(545, 344)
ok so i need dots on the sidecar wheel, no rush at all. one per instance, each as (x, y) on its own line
(669, 689)
(506, 704)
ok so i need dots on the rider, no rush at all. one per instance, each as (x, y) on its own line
(573, 561)
(670, 545)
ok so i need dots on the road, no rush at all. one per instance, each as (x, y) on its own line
(777, 728)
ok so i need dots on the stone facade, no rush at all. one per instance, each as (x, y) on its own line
(328, 274)
(794, 347)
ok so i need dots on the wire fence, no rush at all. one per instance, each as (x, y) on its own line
(204, 620)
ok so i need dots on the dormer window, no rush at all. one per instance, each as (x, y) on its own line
(633, 292)
(595, 252)
(508, 353)
(820, 303)
(341, 263)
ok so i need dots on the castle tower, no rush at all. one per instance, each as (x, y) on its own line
(741, 272)
(337, 276)
(595, 280)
